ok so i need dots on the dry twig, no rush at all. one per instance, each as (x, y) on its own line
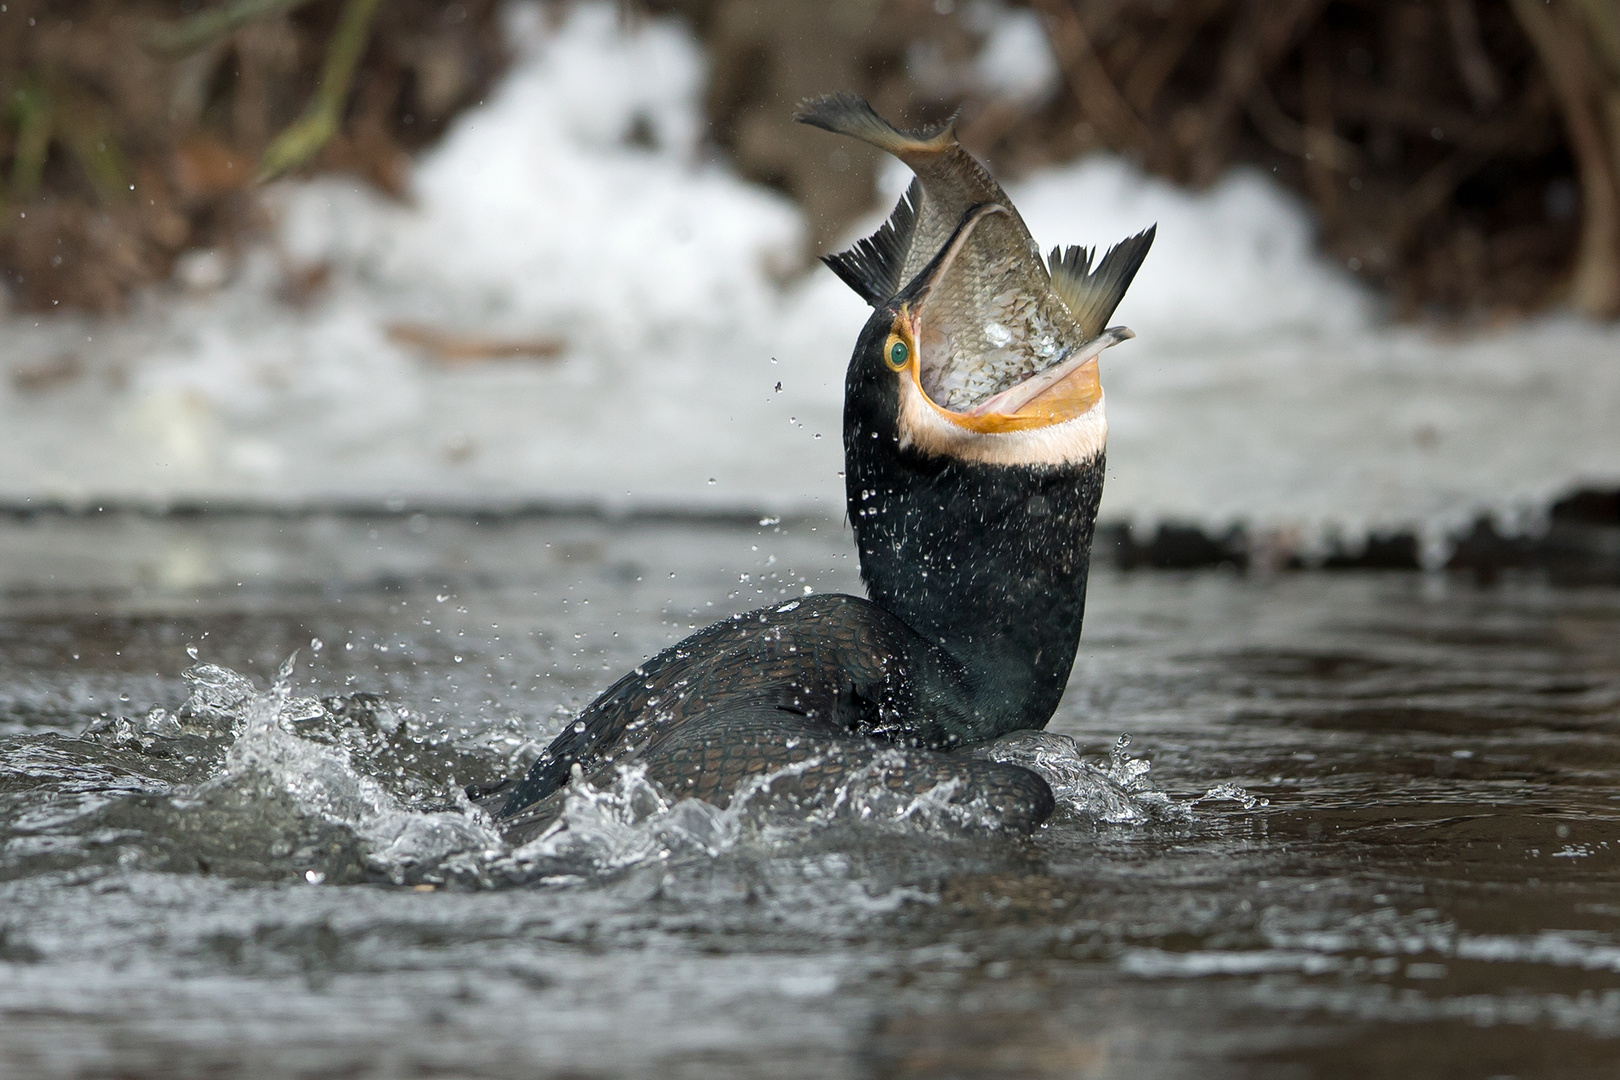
(1562, 47)
(1100, 100)
(452, 348)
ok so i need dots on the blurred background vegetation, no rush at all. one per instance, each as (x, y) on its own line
(1462, 156)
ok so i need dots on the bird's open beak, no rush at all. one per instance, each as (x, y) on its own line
(1057, 393)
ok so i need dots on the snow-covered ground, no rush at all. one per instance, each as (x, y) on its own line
(700, 371)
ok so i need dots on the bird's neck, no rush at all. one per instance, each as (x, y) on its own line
(987, 562)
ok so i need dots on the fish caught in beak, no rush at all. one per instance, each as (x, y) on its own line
(987, 337)
(988, 349)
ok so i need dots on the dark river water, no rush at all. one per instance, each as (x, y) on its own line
(1380, 833)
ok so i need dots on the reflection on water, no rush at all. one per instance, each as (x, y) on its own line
(1378, 834)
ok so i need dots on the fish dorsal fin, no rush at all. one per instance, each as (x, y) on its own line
(849, 114)
(872, 267)
(1092, 295)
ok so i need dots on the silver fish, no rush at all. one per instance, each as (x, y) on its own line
(998, 316)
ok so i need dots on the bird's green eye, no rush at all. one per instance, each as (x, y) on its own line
(898, 355)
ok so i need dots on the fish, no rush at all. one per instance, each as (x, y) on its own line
(1003, 325)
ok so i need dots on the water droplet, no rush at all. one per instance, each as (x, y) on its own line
(191, 651)
(316, 644)
(314, 877)
(579, 727)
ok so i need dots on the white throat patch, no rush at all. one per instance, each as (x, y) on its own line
(1067, 442)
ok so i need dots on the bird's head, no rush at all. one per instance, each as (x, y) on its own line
(981, 357)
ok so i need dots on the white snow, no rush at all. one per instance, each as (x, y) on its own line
(1015, 61)
(1263, 388)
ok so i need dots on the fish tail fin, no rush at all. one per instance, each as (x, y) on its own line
(873, 266)
(849, 114)
(1092, 295)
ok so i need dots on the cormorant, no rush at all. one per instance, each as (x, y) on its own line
(973, 439)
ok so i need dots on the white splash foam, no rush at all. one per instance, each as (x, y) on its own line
(1118, 791)
(631, 820)
(325, 782)
(627, 822)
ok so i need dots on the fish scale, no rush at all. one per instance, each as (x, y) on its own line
(979, 342)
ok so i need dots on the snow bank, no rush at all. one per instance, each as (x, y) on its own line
(579, 203)
(1265, 390)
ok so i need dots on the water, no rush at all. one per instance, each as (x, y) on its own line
(1365, 825)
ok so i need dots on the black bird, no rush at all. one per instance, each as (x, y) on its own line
(973, 440)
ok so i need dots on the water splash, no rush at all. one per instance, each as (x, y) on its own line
(632, 820)
(628, 821)
(325, 781)
(378, 773)
(1118, 791)
(210, 719)
(373, 769)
